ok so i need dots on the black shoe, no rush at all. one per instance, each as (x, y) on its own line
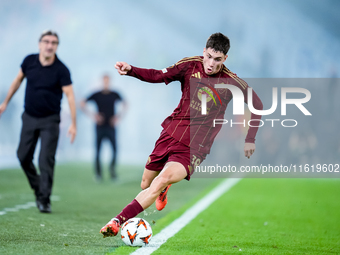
(44, 207)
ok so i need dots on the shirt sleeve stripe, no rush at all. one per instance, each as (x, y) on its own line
(243, 84)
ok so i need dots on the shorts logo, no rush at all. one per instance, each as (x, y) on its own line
(190, 169)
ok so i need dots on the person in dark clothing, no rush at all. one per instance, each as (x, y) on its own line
(47, 79)
(106, 120)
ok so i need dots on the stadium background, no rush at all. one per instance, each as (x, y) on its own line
(269, 39)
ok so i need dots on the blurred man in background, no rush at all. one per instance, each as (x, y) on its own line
(106, 120)
(47, 79)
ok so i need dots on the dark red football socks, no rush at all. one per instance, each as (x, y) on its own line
(130, 211)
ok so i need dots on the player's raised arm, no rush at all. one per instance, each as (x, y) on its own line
(122, 67)
(165, 75)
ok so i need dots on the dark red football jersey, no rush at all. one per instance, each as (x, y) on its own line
(187, 124)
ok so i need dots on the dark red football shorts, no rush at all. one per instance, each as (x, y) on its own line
(167, 149)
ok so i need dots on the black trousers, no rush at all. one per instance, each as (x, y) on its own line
(109, 133)
(47, 129)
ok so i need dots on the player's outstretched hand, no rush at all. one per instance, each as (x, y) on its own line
(122, 68)
(249, 149)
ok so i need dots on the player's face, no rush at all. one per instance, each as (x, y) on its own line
(213, 61)
(48, 46)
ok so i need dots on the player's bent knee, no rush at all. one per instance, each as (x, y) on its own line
(147, 178)
(144, 184)
(160, 183)
(174, 172)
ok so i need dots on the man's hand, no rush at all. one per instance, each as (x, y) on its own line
(249, 149)
(99, 119)
(122, 68)
(72, 132)
(3, 107)
(114, 120)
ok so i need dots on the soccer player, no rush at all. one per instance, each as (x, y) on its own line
(187, 134)
(47, 79)
(106, 120)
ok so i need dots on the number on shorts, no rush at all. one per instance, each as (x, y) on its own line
(195, 161)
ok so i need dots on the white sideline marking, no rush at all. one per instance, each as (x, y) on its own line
(17, 208)
(188, 216)
(24, 206)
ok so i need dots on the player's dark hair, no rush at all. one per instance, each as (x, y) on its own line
(48, 32)
(218, 42)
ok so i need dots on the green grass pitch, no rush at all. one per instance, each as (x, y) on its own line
(257, 216)
(80, 209)
(266, 216)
